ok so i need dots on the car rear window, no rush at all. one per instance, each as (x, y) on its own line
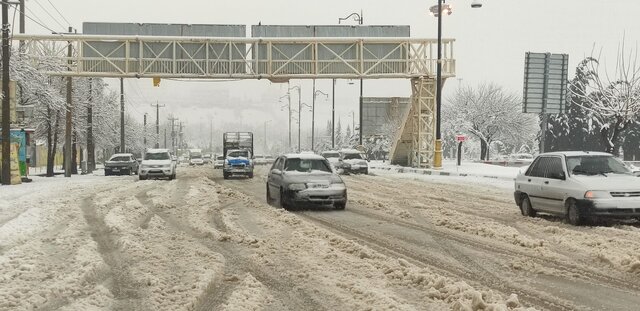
(306, 165)
(121, 159)
(157, 156)
(331, 155)
(351, 156)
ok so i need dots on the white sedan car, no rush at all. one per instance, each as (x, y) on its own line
(578, 185)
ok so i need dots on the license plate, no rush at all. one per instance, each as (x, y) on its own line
(318, 186)
(115, 169)
(355, 167)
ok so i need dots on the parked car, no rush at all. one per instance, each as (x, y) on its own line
(218, 162)
(206, 158)
(334, 159)
(521, 157)
(296, 179)
(121, 163)
(356, 160)
(578, 185)
(157, 163)
(259, 159)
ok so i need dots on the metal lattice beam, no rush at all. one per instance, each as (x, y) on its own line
(239, 58)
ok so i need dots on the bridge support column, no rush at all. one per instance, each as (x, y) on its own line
(415, 143)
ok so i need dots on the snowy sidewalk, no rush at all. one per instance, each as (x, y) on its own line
(449, 168)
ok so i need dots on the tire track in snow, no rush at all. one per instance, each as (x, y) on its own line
(236, 262)
(125, 291)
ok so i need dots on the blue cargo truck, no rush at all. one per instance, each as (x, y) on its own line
(237, 148)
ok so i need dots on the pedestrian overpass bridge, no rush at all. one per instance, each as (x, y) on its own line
(276, 59)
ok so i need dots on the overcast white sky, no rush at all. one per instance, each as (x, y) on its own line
(490, 44)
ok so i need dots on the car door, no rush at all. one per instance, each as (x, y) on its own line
(553, 185)
(274, 178)
(533, 182)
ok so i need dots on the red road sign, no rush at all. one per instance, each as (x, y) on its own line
(460, 138)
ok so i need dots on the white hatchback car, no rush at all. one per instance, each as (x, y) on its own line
(578, 185)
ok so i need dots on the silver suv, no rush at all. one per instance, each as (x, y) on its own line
(578, 185)
(157, 163)
(305, 179)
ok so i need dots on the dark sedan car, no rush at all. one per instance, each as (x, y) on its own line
(121, 163)
(304, 179)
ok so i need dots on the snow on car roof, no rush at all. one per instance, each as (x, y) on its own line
(577, 153)
(304, 156)
(350, 151)
(122, 155)
(156, 150)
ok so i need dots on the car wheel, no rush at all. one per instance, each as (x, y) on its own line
(526, 208)
(283, 202)
(142, 177)
(574, 216)
(106, 173)
(366, 171)
(269, 199)
(225, 175)
(340, 205)
(250, 175)
(129, 172)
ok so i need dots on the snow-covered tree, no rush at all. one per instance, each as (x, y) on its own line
(612, 100)
(489, 113)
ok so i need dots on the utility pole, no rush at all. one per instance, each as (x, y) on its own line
(180, 136)
(22, 26)
(289, 98)
(313, 115)
(67, 133)
(122, 115)
(6, 109)
(299, 115)
(91, 156)
(144, 131)
(333, 115)
(165, 138)
(158, 125)
(173, 134)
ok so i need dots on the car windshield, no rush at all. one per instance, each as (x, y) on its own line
(351, 156)
(120, 159)
(156, 156)
(331, 155)
(239, 153)
(306, 165)
(595, 165)
(196, 156)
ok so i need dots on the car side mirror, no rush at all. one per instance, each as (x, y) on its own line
(561, 176)
(340, 160)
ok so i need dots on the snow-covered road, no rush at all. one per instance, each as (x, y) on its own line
(204, 243)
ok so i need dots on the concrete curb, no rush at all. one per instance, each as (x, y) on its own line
(424, 171)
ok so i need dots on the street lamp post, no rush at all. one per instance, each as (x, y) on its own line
(358, 18)
(438, 11)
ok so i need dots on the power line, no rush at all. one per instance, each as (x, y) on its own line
(40, 22)
(47, 11)
(54, 7)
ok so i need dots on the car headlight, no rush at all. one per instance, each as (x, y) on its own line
(338, 186)
(297, 187)
(144, 166)
(596, 194)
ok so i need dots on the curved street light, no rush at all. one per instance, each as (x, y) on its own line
(358, 18)
(440, 10)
